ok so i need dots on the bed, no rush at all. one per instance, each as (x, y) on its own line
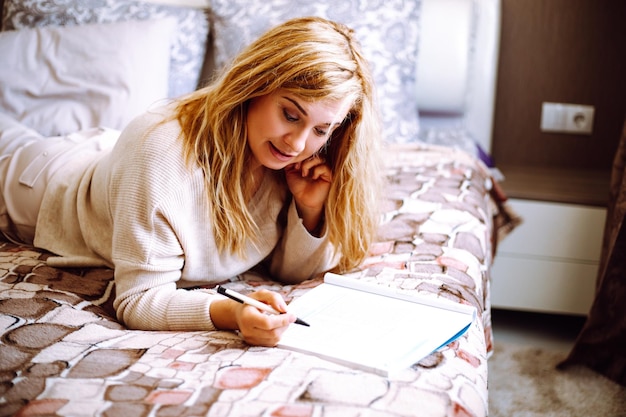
(62, 351)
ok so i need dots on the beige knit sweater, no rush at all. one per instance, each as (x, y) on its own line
(143, 211)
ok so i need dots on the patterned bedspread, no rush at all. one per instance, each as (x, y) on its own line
(63, 353)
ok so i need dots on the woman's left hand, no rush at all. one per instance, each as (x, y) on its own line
(309, 182)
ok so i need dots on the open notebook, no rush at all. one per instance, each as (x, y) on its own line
(373, 328)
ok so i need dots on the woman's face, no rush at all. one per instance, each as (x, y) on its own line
(284, 129)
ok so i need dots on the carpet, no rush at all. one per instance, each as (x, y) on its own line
(524, 382)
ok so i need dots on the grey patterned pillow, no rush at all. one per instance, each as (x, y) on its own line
(388, 31)
(188, 48)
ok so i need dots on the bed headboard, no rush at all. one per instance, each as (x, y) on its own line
(455, 72)
(457, 65)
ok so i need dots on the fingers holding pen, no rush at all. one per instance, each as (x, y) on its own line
(270, 298)
(259, 328)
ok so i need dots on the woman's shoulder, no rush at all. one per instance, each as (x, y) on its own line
(157, 119)
(151, 146)
(148, 160)
(154, 131)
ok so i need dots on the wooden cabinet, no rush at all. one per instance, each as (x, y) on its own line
(559, 182)
(550, 262)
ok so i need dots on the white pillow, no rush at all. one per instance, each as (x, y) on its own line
(60, 80)
(188, 47)
(13, 133)
(387, 30)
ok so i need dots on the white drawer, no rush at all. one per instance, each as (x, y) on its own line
(539, 284)
(555, 230)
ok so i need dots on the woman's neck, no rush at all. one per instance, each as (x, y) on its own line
(253, 181)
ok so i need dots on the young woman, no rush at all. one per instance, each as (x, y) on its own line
(273, 163)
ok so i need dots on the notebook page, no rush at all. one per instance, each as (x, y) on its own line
(373, 332)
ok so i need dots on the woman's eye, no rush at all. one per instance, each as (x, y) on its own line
(290, 117)
(320, 131)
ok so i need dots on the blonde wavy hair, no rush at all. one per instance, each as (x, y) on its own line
(316, 59)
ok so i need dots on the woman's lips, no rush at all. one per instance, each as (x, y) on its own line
(280, 155)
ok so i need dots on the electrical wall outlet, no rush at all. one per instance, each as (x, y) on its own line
(567, 118)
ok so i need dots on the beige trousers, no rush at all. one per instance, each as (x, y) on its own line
(27, 164)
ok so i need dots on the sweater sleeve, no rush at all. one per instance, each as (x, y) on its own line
(299, 255)
(153, 202)
(149, 300)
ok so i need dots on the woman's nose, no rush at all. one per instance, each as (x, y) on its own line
(296, 140)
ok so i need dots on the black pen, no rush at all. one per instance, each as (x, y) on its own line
(240, 298)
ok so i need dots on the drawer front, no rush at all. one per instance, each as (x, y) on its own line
(542, 285)
(554, 230)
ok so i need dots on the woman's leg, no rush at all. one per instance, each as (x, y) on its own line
(27, 170)
(13, 136)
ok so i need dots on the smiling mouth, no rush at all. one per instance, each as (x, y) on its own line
(279, 154)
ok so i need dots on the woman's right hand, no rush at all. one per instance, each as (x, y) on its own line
(309, 182)
(255, 327)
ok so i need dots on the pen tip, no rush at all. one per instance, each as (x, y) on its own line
(302, 322)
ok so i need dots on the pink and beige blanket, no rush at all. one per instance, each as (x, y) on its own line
(62, 352)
